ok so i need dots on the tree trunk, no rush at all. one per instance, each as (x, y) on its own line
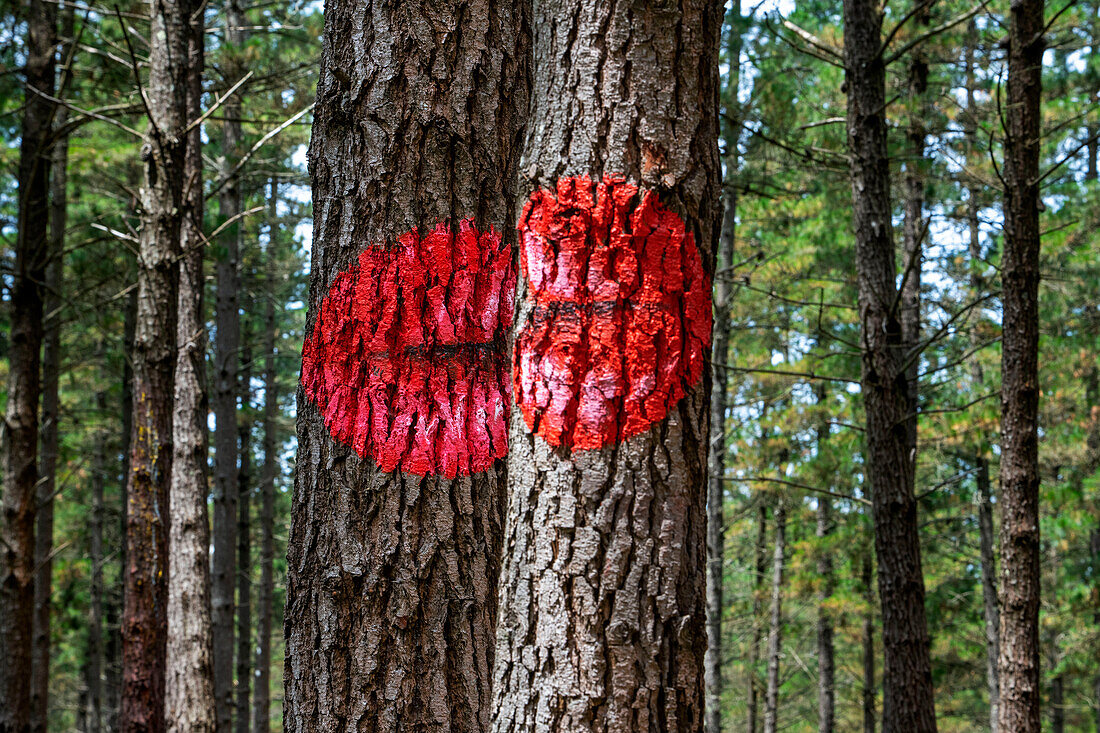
(1019, 659)
(775, 622)
(608, 446)
(244, 544)
(261, 697)
(826, 684)
(716, 544)
(396, 524)
(227, 359)
(189, 693)
(94, 654)
(760, 563)
(145, 618)
(867, 582)
(51, 373)
(19, 437)
(907, 677)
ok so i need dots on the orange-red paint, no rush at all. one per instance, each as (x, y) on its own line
(406, 357)
(621, 315)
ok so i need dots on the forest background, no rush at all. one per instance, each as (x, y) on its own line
(801, 620)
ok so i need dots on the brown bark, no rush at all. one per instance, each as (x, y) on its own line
(760, 567)
(244, 544)
(869, 686)
(226, 364)
(189, 685)
(908, 702)
(1020, 581)
(51, 372)
(826, 683)
(20, 437)
(261, 697)
(144, 620)
(589, 639)
(94, 653)
(775, 619)
(391, 601)
(716, 544)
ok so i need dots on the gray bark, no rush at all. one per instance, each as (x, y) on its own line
(189, 691)
(391, 595)
(760, 561)
(602, 623)
(775, 619)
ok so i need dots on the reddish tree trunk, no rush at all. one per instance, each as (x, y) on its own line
(1020, 567)
(397, 517)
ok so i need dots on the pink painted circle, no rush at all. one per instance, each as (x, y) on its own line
(406, 357)
(621, 316)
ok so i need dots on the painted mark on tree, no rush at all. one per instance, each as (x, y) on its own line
(622, 312)
(406, 358)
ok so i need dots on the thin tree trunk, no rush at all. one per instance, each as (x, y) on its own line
(1020, 582)
(51, 373)
(226, 363)
(605, 496)
(261, 697)
(189, 693)
(1057, 682)
(826, 684)
(869, 686)
(760, 562)
(244, 545)
(716, 546)
(19, 438)
(94, 653)
(145, 619)
(986, 536)
(395, 535)
(775, 620)
(907, 675)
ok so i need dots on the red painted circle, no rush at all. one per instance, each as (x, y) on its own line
(621, 319)
(406, 358)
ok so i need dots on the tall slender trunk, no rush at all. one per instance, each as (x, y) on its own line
(866, 575)
(907, 675)
(19, 433)
(244, 544)
(826, 684)
(716, 545)
(94, 655)
(1020, 569)
(51, 373)
(261, 697)
(775, 619)
(986, 536)
(226, 363)
(145, 618)
(608, 444)
(395, 534)
(189, 687)
(112, 689)
(1057, 681)
(760, 562)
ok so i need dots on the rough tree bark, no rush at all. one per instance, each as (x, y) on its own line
(144, 620)
(760, 555)
(775, 619)
(1020, 569)
(226, 361)
(908, 702)
(189, 700)
(866, 575)
(51, 373)
(261, 697)
(602, 596)
(716, 545)
(19, 433)
(395, 534)
(244, 541)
